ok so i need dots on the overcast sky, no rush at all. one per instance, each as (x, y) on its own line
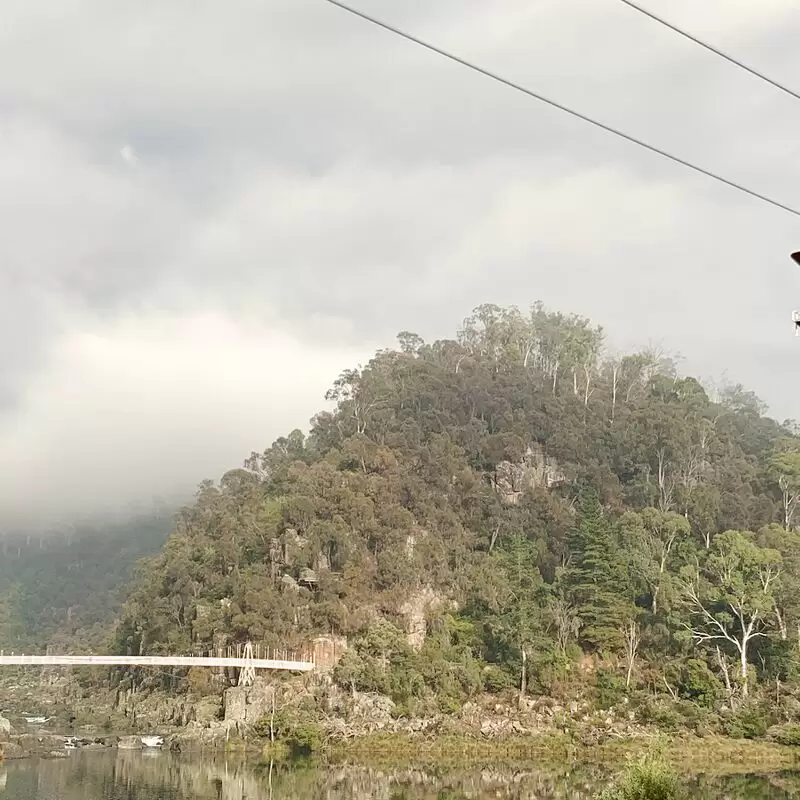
(208, 209)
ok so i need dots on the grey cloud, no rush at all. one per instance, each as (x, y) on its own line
(299, 168)
(214, 95)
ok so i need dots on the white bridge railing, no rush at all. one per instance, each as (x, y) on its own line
(246, 662)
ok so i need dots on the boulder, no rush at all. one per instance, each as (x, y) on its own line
(371, 712)
(130, 743)
(5, 728)
(11, 750)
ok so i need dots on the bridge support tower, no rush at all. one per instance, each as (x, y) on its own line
(248, 672)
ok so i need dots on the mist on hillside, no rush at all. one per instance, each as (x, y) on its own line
(137, 413)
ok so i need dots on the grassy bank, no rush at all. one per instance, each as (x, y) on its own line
(708, 755)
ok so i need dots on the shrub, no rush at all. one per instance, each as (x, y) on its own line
(449, 705)
(301, 735)
(788, 735)
(698, 718)
(699, 684)
(261, 728)
(647, 778)
(749, 722)
(662, 713)
(670, 715)
(549, 672)
(609, 688)
(200, 682)
(497, 681)
(304, 739)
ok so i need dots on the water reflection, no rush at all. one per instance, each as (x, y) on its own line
(124, 775)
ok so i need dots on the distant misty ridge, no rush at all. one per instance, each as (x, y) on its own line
(39, 524)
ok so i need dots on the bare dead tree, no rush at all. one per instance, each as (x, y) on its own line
(588, 390)
(666, 483)
(790, 500)
(672, 693)
(565, 621)
(722, 661)
(272, 718)
(781, 621)
(614, 388)
(767, 574)
(495, 534)
(632, 639)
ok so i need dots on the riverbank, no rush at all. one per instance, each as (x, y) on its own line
(687, 754)
(341, 726)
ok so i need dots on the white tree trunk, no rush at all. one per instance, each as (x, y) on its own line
(743, 666)
(781, 624)
(723, 665)
(614, 387)
(631, 648)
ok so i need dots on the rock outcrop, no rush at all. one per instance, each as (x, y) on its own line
(327, 651)
(130, 743)
(415, 611)
(245, 705)
(535, 470)
(11, 750)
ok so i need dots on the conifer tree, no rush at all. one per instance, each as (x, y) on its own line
(597, 581)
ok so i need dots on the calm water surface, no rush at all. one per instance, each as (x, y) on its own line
(160, 776)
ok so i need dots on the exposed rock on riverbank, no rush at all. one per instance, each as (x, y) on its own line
(130, 743)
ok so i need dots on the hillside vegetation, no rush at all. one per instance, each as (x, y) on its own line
(508, 511)
(65, 589)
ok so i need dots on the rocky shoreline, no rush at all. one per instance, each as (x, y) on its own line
(421, 742)
(366, 725)
(44, 744)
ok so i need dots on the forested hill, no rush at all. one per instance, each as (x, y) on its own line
(508, 496)
(64, 588)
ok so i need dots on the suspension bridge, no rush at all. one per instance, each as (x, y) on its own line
(246, 658)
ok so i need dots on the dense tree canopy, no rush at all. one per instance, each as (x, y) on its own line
(509, 497)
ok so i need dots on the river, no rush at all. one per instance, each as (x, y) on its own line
(121, 775)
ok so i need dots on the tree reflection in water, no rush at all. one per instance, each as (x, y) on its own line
(124, 775)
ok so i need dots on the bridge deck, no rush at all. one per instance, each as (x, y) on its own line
(155, 661)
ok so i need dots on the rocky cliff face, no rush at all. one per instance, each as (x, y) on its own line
(245, 705)
(415, 611)
(327, 651)
(535, 470)
(159, 710)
